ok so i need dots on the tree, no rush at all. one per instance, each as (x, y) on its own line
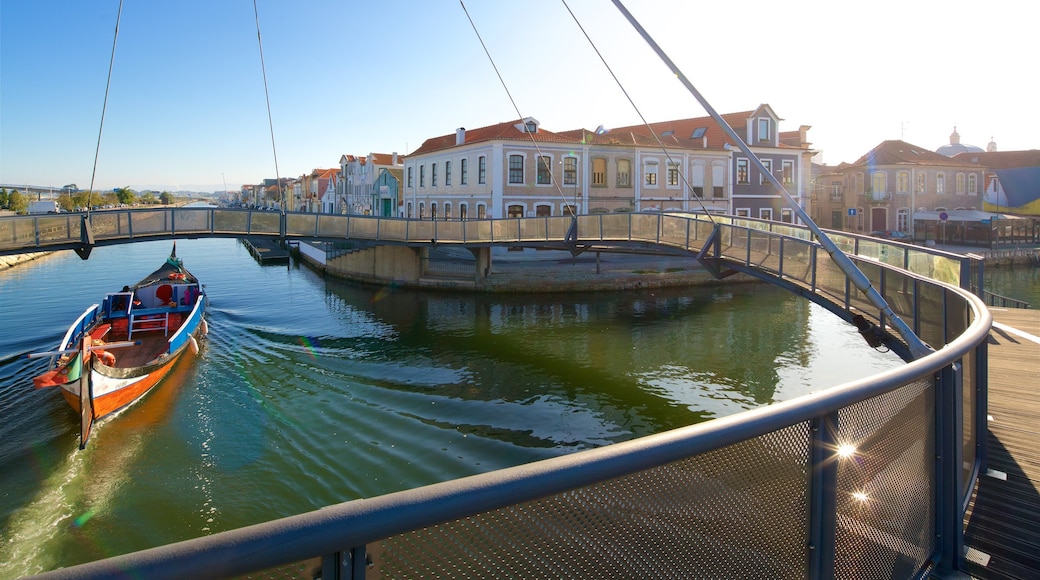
(166, 198)
(17, 202)
(149, 198)
(65, 202)
(125, 195)
(3, 197)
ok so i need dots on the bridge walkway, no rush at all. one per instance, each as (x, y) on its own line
(1002, 538)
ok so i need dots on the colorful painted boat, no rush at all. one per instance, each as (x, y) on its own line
(130, 342)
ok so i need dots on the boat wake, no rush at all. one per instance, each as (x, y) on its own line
(83, 485)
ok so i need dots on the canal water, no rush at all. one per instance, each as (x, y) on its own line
(310, 392)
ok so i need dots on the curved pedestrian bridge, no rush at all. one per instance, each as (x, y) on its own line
(869, 479)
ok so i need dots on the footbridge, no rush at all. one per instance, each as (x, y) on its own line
(869, 479)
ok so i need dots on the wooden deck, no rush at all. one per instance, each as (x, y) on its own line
(1003, 522)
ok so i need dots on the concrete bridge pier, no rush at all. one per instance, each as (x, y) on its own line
(482, 257)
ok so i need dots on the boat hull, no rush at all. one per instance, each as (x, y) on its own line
(113, 393)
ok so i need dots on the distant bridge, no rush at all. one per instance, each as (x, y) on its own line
(46, 191)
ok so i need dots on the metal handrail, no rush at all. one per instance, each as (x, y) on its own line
(351, 525)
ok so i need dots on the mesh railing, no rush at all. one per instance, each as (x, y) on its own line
(866, 480)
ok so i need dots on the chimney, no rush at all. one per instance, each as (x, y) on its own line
(394, 161)
(460, 135)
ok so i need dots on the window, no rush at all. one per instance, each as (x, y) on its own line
(433, 178)
(422, 208)
(743, 212)
(433, 211)
(763, 129)
(463, 211)
(544, 172)
(697, 179)
(742, 171)
(698, 132)
(903, 182)
(940, 183)
(409, 209)
(768, 165)
(516, 169)
(650, 173)
(422, 176)
(788, 172)
(447, 173)
(481, 208)
(482, 170)
(718, 179)
(837, 191)
(464, 172)
(570, 171)
(447, 205)
(410, 182)
(515, 211)
(624, 173)
(878, 184)
(960, 184)
(973, 184)
(922, 181)
(903, 219)
(673, 174)
(765, 213)
(786, 215)
(599, 172)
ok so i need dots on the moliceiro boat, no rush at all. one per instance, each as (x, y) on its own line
(115, 352)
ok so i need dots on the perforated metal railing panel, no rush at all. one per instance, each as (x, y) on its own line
(886, 485)
(738, 512)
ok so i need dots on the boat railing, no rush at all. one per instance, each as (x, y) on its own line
(869, 479)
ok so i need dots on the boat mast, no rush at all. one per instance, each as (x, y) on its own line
(918, 348)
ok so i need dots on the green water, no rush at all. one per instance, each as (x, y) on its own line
(310, 392)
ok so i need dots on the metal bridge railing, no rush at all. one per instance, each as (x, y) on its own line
(869, 479)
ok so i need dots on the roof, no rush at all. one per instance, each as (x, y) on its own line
(896, 152)
(680, 132)
(384, 158)
(502, 131)
(693, 133)
(1002, 159)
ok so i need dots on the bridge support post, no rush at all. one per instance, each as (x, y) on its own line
(482, 257)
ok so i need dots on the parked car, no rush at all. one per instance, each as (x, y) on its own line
(894, 235)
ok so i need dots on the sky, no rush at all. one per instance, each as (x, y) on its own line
(186, 108)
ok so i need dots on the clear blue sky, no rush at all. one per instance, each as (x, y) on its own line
(187, 110)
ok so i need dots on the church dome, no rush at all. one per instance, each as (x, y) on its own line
(955, 147)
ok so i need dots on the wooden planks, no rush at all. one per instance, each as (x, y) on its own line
(1003, 523)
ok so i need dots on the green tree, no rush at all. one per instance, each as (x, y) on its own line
(125, 195)
(3, 198)
(17, 202)
(65, 202)
(166, 198)
(149, 198)
(81, 198)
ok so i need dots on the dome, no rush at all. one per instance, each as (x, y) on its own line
(955, 147)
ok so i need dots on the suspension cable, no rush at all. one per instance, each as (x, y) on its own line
(538, 150)
(918, 348)
(270, 121)
(682, 174)
(104, 106)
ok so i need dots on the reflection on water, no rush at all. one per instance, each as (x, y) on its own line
(1021, 282)
(310, 392)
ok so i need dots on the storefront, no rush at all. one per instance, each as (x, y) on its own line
(971, 227)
